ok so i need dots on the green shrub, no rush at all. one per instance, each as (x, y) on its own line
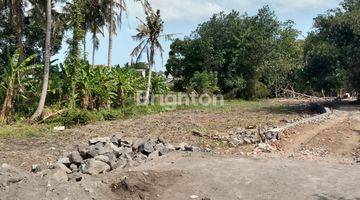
(109, 115)
(261, 91)
(203, 83)
(74, 117)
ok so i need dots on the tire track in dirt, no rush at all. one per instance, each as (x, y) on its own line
(305, 133)
(334, 139)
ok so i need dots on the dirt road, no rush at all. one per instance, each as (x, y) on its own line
(201, 176)
(335, 140)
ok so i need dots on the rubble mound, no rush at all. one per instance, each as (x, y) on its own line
(104, 154)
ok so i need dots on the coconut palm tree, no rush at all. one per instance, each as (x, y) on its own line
(149, 33)
(95, 17)
(115, 10)
(47, 56)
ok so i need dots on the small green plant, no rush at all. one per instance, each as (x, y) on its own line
(74, 117)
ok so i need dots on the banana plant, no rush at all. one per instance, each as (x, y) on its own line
(13, 76)
(103, 87)
(128, 81)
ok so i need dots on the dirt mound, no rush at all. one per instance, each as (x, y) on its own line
(144, 185)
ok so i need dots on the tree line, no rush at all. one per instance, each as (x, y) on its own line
(238, 55)
(245, 56)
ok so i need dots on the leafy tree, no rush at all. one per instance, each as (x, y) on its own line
(248, 50)
(331, 50)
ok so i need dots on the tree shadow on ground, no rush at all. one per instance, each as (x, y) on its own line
(332, 197)
(343, 105)
(306, 108)
(314, 107)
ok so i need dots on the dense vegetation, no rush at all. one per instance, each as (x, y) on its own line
(332, 51)
(257, 56)
(249, 56)
(238, 55)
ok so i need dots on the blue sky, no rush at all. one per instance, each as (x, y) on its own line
(183, 16)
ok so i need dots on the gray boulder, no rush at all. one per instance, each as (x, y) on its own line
(148, 147)
(102, 158)
(74, 168)
(116, 139)
(154, 155)
(75, 157)
(137, 144)
(161, 148)
(94, 167)
(100, 149)
(126, 143)
(64, 160)
(62, 167)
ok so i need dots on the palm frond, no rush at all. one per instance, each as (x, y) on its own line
(27, 61)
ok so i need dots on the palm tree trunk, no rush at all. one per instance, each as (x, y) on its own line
(151, 63)
(94, 49)
(17, 19)
(110, 34)
(47, 56)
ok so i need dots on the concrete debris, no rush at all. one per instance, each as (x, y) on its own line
(104, 154)
(256, 134)
(59, 128)
(94, 167)
(36, 168)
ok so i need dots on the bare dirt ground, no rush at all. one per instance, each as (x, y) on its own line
(174, 126)
(312, 161)
(203, 177)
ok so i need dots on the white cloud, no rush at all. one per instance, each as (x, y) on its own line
(186, 9)
(194, 10)
(298, 5)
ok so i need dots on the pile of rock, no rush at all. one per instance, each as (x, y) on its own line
(104, 154)
(251, 136)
